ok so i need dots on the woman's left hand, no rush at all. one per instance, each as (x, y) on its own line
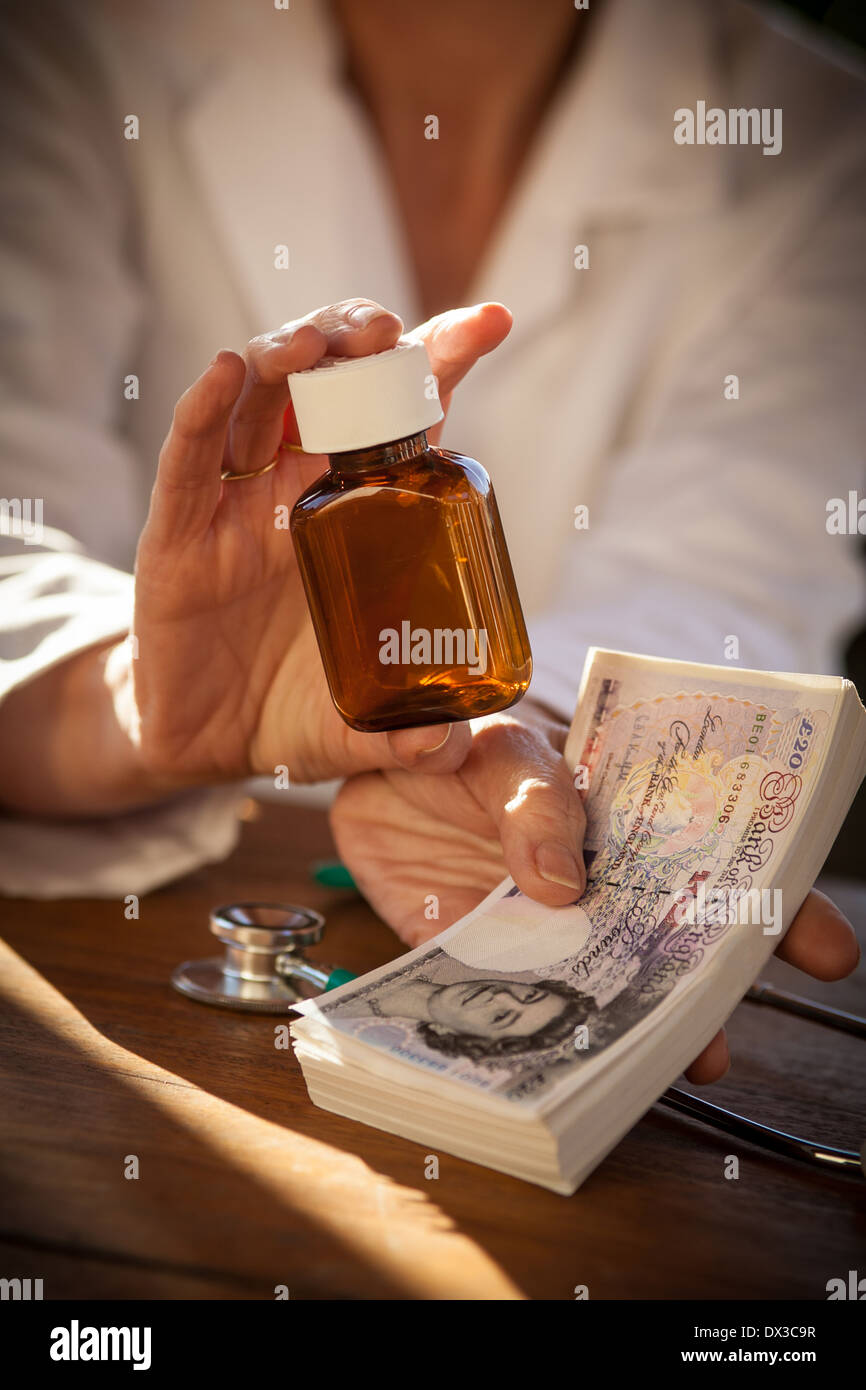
(425, 849)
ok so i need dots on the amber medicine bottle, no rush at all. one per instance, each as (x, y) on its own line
(401, 551)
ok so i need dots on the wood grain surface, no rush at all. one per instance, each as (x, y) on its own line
(244, 1185)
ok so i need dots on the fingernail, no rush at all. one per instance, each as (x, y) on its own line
(556, 863)
(425, 752)
(363, 314)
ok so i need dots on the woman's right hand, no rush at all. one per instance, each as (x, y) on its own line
(224, 679)
(228, 680)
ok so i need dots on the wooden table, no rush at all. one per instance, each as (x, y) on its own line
(243, 1185)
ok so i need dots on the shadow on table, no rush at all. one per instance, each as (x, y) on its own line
(192, 1225)
(664, 1175)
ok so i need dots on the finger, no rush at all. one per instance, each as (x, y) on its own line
(357, 327)
(821, 940)
(187, 486)
(713, 1063)
(523, 783)
(435, 748)
(384, 831)
(455, 341)
(257, 421)
(352, 328)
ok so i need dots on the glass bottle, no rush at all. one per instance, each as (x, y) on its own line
(401, 551)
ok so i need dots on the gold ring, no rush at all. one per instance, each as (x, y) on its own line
(228, 477)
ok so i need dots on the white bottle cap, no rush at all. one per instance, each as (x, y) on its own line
(356, 402)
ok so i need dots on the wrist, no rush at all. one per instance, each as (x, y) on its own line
(133, 776)
(69, 743)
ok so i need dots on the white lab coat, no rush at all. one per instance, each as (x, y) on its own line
(707, 515)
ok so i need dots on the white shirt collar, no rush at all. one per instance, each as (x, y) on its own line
(285, 156)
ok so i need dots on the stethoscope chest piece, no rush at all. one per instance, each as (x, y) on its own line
(255, 937)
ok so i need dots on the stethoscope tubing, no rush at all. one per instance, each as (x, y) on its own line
(825, 1156)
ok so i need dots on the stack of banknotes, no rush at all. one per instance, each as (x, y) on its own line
(530, 1039)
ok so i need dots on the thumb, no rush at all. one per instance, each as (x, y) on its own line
(431, 748)
(522, 781)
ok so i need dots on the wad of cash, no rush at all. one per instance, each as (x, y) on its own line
(530, 1039)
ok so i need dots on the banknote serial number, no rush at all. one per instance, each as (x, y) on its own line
(734, 794)
(801, 744)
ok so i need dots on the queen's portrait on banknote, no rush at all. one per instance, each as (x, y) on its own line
(497, 1028)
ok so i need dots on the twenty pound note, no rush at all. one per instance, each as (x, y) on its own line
(695, 787)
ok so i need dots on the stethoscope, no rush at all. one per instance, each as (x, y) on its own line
(263, 970)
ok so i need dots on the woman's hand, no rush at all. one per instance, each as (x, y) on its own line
(417, 844)
(228, 679)
(510, 808)
(224, 679)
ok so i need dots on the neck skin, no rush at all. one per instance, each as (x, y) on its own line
(488, 70)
